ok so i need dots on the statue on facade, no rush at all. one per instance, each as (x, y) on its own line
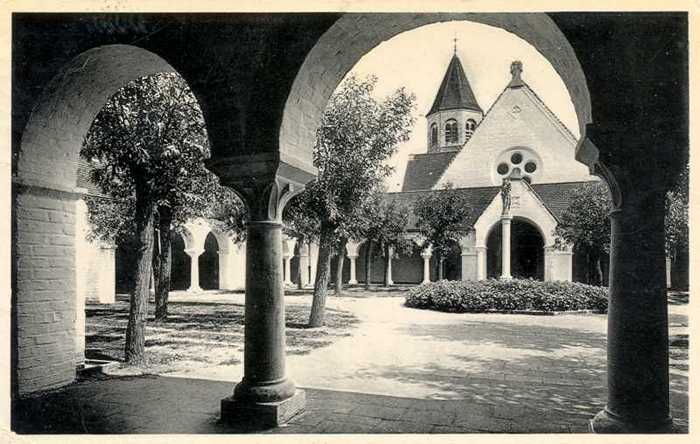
(505, 196)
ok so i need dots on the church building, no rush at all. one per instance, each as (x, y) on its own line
(518, 140)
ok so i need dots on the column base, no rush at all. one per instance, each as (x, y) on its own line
(351, 282)
(251, 414)
(606, 422)
(194, 290)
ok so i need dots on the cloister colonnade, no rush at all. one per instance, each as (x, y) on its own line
(262, 82)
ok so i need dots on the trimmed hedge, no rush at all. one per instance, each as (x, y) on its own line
(507, 295)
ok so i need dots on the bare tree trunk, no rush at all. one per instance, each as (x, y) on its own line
(300, 270)
(368, 264)
(162, 273)
(323, 275)
(339, 267)
(599, 270)
(134, 350)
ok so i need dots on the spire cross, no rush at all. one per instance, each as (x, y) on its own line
(455, 41)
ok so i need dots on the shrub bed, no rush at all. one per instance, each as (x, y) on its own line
(507, 295)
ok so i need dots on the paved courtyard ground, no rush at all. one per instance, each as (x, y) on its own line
(401, 370)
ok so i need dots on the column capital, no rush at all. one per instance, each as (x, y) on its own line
(506, 218)
(265, 184)
(194, 252)
(353, 256)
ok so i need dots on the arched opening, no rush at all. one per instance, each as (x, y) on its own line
(433, 134)
(209, 264)
(180, 266)
(526, 251)
(451, 264)
(346, 268)
(407, 266)
(294, 265)
(46, 170)
(378, 264)
(451, 132)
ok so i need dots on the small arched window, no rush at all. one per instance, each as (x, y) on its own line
(451, 132)
(469, 128)
(433, 134)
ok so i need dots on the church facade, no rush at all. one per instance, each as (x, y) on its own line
(518, 141)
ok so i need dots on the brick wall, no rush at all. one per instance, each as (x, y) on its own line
(44, 289)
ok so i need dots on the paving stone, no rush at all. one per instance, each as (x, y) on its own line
(432, 417)
(391, 426)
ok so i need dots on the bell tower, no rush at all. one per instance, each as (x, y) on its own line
(455, 113)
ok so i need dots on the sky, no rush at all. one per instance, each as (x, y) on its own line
(418, 59)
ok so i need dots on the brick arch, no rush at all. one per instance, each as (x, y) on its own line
(46, 201)
(55, 130)
(354, 35)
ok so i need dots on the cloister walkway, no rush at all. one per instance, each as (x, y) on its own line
(408, 370)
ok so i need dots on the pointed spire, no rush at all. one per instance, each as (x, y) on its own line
(455, 91)
(516, 70)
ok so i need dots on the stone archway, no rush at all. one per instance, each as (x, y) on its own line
(180, 263)
(46, 179)
(527, 257)
(209, 264)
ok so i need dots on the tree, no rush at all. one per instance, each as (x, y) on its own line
(441, 217)
(586, 226)
(300, 223)
(147, 147)
(385, 226)
(676, 225)
(357, 134)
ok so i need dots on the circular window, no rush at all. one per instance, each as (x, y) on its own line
(516, 158)
(530, 167)
(502, 168)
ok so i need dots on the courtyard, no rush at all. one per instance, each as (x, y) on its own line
(377, 367)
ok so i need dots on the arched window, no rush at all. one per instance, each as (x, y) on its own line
(451, 131)
(469, 128)
(433, 134)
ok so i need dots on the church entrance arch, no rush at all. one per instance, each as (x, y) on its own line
(526, 251)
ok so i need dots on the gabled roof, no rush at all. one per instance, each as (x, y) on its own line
(554, 196)
(455, 91)
(424, 170)
(477, 199)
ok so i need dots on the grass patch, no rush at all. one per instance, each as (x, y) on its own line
(198, 335)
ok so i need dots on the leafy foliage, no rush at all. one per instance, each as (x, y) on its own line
(585, 222)
(507, 295)
(441, 215)
(357, 134)
(676, 223)
(154, 129)
(385, 223)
